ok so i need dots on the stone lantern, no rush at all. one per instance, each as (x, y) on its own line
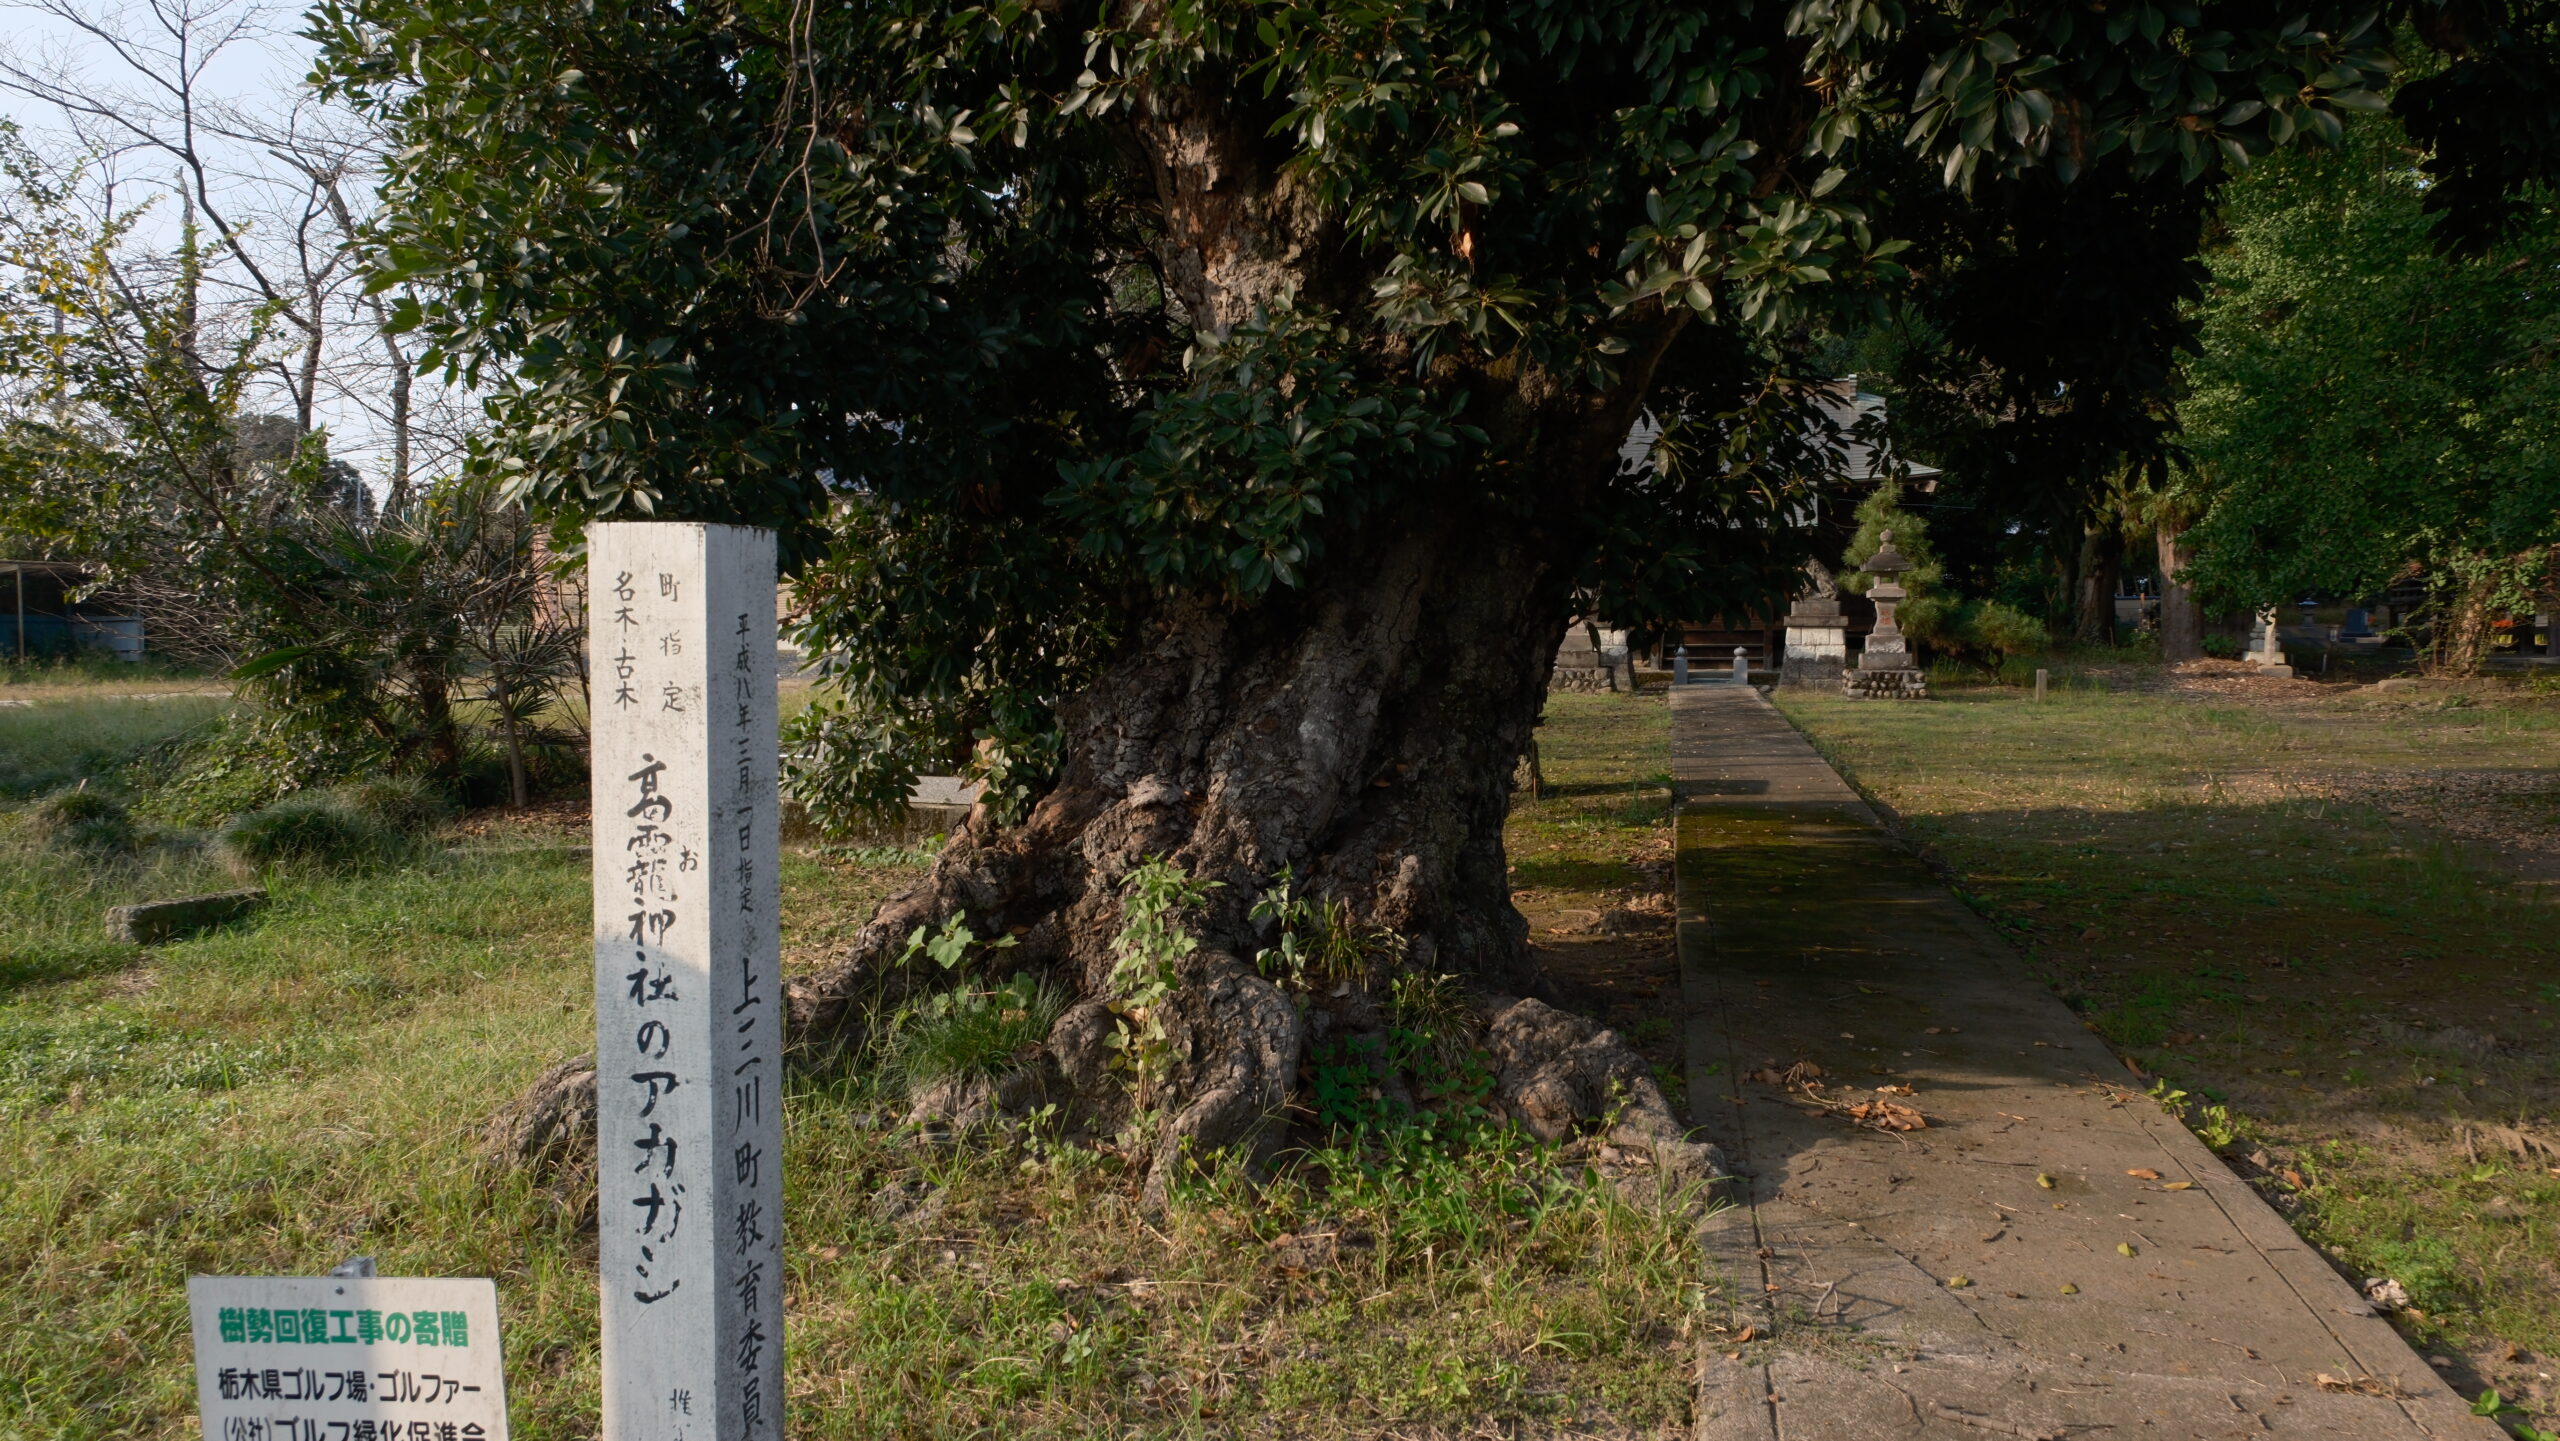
(1885, 670)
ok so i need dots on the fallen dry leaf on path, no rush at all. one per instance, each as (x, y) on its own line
(1313, 1251)
(1802, 1073)
(2144, 1172)
(2360, 1386)
(1886, 1116)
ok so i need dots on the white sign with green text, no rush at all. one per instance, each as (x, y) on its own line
(347, 1358)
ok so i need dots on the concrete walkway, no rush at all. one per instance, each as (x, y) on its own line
(2050, 1255)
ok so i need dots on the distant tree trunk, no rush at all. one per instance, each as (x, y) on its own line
(431, 692)
(518, 796)
(2181, 623)
(2462, 617)
(2460, 635)
(306, 384)
(2101, 565)
(398, 499)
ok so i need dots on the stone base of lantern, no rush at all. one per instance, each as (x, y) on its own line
(1885, 685)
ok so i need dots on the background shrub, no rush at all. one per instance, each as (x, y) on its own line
(2003, 630)
(85, 820)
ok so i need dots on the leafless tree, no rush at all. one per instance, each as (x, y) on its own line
(276, 182)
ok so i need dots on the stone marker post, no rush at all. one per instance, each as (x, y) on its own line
(680, 630)
(1741, 666)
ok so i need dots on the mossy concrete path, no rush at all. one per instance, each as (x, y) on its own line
(2050, 1254)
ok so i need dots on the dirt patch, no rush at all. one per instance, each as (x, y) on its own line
(540, 823)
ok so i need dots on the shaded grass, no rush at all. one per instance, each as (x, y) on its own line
(2364, 997)
(1040, 1302)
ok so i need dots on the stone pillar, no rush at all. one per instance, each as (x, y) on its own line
(2266, 650)
(1885, 669)
(688, 980)
(1817, 644)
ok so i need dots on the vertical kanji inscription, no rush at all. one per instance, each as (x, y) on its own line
(688, 982)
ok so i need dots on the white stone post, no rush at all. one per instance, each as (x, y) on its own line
(2268, 655)
(680, 630)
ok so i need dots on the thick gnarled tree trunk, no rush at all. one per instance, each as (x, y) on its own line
(1360, 734)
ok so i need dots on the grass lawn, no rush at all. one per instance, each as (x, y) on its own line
(2326, 913)
(308, 1085)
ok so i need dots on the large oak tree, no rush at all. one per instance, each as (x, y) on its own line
(1202, 415)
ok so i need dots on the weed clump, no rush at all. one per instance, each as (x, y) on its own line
(88, 821)
(968, 1032)
(310, 829)
(405, 804)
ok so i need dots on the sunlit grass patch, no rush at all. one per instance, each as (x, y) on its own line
(1398, 1277)
(307, 1084)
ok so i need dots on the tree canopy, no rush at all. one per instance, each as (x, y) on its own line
(2362, 405)
(1017, 319)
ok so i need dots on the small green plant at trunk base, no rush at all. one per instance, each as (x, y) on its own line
(1150, 950)
(950, 945)
(1320, 942)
